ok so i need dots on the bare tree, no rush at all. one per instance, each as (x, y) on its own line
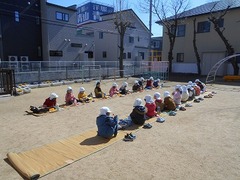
(195, 47)
(215, 18)
(122, 23)
(169, 13)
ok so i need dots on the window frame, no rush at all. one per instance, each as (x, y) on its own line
(180, 57)
(64, 16)
(203, 27)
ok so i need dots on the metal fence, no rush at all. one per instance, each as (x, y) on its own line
(7, 81)
(37, 71)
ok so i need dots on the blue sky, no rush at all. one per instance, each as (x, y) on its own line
(133, 4)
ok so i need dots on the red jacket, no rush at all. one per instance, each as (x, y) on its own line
(151, 107)
(50, 103)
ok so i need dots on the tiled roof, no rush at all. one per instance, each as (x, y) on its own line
(209, 7)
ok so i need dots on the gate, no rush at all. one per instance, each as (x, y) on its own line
(7, 81)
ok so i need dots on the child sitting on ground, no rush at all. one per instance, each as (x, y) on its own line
(83, 97)
(169, 103)
(69, 97)
(141, 82)
(149, 84)
(159, 102)
(136, 87)
(123, 89)
(197, 89)
(151, 107)
(191, 92)
(98, 91)
(156, 83)
(185, 93)
(177, 95)
(114, 90)
(138, 113)
(107, 125)
(201, 85)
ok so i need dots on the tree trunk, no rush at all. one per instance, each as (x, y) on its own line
(195, 48)
(230, 49)
(121, 47)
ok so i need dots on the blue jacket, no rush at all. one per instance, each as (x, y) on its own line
(107, 126)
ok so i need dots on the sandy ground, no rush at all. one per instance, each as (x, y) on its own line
(199, 143)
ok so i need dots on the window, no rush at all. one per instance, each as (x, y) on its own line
(180, 30)
(100, 35)
(62, 16)
(55, 53)
(104, 54)
(17, 16)
(203, 27)
(156, 44)
(90, 54)
(76, 45)
(131, 39)
(141, 54)
(129, 55)
(180, 57)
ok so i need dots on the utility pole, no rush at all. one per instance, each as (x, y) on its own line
(150, 35)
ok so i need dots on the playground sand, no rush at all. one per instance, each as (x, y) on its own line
(199, 143)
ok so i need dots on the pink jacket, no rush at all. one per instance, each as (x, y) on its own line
(113, 91)
(69, 97)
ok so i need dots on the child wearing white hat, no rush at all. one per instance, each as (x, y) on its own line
(149, 84)
(138, 113)
(83, 97)
(136, 87)
(159, 102)
(169, 103)
(113, 90)
(69, 97)
(177, 95)
(51, 101)
(106, 124)
(185, 93)
(123, 89)
(151, 106)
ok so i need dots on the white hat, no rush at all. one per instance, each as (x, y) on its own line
(184, 88)
(197, 80)
(125, 84)
(136, 82)
(53, 95)
(142, 78)
(104, 110)
(189, 87)
(189, 82)
(114, 84)
(157, 95)
(138, 102)
(151, 78)
(166, 94)
(148, 99)
(97, 82)
(69, 88)
(81, 89)
(194, 84)
(158, 80)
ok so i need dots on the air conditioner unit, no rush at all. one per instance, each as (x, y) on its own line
(24, 58)
(12, 58)
(25, 67)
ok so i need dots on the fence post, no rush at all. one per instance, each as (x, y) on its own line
(66, 72)
(39, 75)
